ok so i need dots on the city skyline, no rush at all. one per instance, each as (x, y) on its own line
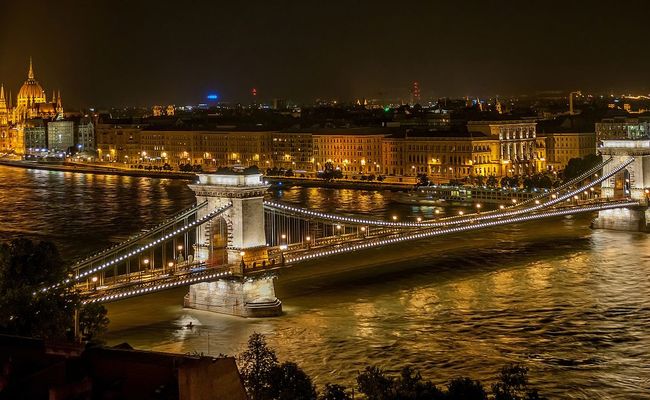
(146, 54)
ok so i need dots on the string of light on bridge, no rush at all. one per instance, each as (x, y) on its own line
(152, 231)
(438, 223)
(458, 229)
(141, 249)
(162, 286)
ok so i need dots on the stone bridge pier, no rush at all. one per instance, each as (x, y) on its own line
(236, 238)
(632, 182)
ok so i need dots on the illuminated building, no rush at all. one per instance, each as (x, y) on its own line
(517, 144)
(118, 142)
(292, 151)
(563, 146)
(84, 135)
(623, 128)
(31, 102)
(441, 156)
(35, 134)
(350, 150)
(60, 135)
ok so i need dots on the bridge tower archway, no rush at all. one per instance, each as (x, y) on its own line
(219, 232)
(621, 185)
(245, 238)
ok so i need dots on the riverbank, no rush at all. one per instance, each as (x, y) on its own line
(275, 181)
(96, 169)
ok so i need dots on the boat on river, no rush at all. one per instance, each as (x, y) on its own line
(439, 195)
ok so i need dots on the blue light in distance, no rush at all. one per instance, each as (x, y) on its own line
(213, 96)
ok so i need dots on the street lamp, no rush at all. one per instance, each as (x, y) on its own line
(180, 252)
(94, 279)
(282, 250)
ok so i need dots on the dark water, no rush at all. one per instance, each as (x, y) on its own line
(571, 303)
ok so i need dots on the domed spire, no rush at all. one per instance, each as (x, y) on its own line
(30, 75)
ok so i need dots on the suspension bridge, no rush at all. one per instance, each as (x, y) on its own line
(230, 244)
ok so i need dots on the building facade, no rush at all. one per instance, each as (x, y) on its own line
(441, 157)
(623, 128)
(517, 144)
(60, 136)
(35, 134)
(84, 135)
(563, 146)
(352, 152)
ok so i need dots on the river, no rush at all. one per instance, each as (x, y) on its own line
(570, 303)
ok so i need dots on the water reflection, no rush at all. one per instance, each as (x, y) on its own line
(571, 303)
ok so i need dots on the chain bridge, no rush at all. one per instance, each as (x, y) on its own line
(228, 247)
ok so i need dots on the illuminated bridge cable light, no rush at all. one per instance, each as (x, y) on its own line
(430, 233)
(156, 229)
(139, 250)
(468, 217)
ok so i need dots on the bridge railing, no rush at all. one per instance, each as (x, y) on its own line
(161, 282)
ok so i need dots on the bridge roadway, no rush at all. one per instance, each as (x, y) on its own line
(152, 281)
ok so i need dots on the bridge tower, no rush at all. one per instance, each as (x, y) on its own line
(238, 239)
(632, 182)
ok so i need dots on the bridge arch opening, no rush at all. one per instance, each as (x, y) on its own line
(622, 184)
(220, 232)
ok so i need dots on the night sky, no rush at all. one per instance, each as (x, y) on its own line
(121, 53)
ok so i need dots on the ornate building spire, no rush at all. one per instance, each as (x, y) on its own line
(30, 75)
(2, 93)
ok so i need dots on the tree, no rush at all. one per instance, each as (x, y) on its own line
(465, 389)
(423, 180)
(255, 366)
(25, 309)
(410, 386)
(288, 382)
(93, 320)
(492, 181)
(334, 392)
(374, 383)
(513, 384)
(329, 172)
(577, 166)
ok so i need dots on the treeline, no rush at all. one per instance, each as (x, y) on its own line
(265, 378)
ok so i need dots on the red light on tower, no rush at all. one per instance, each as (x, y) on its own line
(254, 92)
